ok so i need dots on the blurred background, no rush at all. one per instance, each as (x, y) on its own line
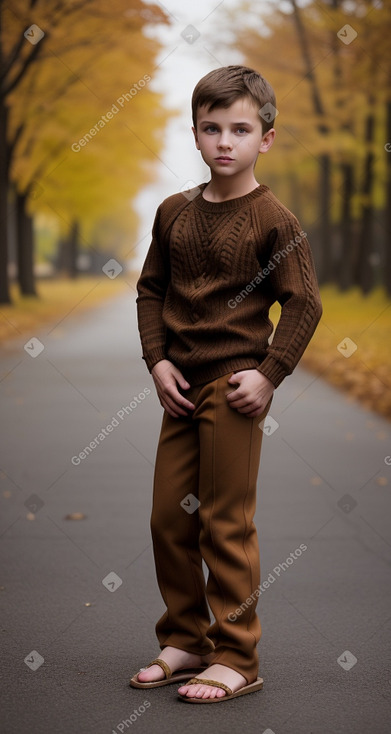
(95, 130)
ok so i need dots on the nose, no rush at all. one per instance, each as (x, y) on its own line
(224, 141)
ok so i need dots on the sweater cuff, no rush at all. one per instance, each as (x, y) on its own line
(272, 370)
(153, 357)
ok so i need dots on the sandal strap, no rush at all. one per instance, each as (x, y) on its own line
(207, 682)
(166, 668)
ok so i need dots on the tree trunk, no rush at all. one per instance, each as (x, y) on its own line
(344, 274)
(387, 244)
(73, 249)
(25, 247)
(364, 267)
(60, 260)
(4, 286)
(324, 267)
(68, 250)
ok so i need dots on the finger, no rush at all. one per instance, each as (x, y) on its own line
(177, 405)
(173, 415)
(179, 399)
(168, 403)
(178, 411)
(235, 376)
(182, 382)
(170, 394)
(172, 410)
(187, 404)
(181, 404)
(238, 402)
(248, 409)
(232, 396)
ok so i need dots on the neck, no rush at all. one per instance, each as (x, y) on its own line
(221, 188)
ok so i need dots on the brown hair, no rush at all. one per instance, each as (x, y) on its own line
(223, 86)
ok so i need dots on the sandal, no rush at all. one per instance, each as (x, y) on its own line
(177, 677)
(250, 688)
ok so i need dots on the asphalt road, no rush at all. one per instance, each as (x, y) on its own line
(79, 598)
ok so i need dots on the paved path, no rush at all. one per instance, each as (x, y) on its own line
(323, 485)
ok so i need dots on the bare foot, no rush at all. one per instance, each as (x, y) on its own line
(176, 659)
(221, 673)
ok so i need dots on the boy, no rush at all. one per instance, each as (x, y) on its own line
(221, 255)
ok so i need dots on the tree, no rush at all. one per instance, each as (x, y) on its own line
(55, 89)
(332, 82)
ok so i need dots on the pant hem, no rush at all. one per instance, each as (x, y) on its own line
(186, 649)
(238, 669)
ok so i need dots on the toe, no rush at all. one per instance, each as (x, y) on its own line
(147, 675)
(201, 691)
(183, 690)
(220, 693)
(210, 692)
(192, 691)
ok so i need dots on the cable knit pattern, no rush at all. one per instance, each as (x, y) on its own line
(210, 276)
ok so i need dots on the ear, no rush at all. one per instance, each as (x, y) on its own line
(196, 138)
(267, 140)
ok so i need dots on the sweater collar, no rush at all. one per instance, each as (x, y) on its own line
(229, 204)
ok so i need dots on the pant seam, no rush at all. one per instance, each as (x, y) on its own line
(245, 519)
(202, 634)
(213, 505)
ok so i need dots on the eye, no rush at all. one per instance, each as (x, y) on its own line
(210, 128)
(241, 130)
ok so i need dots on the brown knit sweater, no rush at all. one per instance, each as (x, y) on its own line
(210, 276)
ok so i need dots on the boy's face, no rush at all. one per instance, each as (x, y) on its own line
(231, 139)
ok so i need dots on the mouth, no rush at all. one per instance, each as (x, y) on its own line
(223, 158)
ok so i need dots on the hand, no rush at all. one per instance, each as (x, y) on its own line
(253, 393)
(166, 376)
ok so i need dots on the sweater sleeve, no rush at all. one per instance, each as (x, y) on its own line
(151, 288)
(293, 282)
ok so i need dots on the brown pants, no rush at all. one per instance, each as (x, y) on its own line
(213, 456)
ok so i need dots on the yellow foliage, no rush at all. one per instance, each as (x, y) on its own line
(366, 373)
(84, 120)
(352, 80)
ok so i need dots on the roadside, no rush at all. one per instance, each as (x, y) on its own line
(350, 348)
(57, 298)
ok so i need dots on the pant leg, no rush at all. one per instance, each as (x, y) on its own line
(175, 535)
(230, 446)
(214, 454)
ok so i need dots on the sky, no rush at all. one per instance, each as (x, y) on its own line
(183, 60)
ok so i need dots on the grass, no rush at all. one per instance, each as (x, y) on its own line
(57, 298)
(365, 375)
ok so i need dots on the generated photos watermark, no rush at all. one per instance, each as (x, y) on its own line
(133, 717)
(347, 660)
(34, 660)
(34, 34)
(106, 118)
(114, 423)
(190, 503)
(272, 577)
(262, 274)
(112, 581)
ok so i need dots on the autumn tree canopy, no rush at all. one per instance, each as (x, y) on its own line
(330, 65)
(80, 121)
